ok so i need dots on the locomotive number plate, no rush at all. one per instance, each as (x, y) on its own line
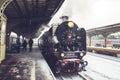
(70, 54)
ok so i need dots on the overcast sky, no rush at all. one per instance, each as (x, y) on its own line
(90, 13)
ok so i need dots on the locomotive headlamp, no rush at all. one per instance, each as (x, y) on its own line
(70, 24)
(62, 54)
(81, 54)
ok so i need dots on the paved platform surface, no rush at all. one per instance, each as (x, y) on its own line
(25, 66)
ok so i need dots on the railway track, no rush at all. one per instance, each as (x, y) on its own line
(69, 76)
(105, 56)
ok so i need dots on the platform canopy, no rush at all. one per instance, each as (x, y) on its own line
(26, 16)
(105, 30)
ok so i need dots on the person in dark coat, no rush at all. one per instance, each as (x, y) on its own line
(30, 44)
(24, 45)
(18, 44)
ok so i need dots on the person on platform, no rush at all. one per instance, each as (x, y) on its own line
(30, 44)
(24, 45)
(18, 45)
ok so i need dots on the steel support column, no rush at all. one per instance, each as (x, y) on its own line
(89, 40)
(8, 41)
(105, 39)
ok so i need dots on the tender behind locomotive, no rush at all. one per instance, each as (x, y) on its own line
(67, 45)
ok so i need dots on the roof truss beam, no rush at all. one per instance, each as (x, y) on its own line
(18, 7)
(26, 7)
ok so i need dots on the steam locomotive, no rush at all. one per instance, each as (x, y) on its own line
(64, 47)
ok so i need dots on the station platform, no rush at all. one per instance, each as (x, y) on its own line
(107, 50)
(25, 66)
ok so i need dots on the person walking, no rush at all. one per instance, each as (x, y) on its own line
(30, 44)
(18, 44)
(24, 45)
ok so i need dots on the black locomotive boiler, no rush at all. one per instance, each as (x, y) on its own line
(65, 47)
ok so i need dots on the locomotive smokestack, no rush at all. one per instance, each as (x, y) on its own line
(64, 18)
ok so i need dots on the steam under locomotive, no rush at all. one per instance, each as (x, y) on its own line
(64, 47)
